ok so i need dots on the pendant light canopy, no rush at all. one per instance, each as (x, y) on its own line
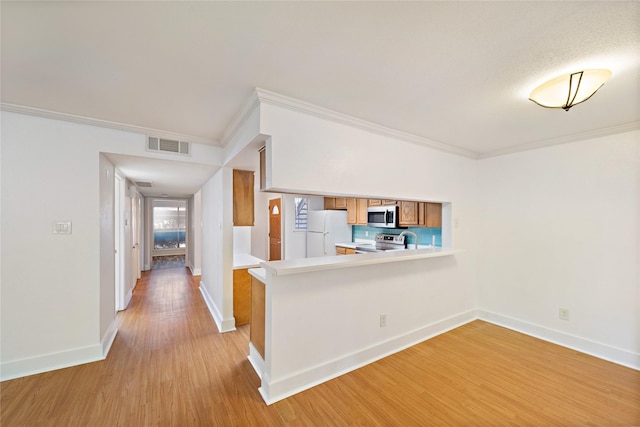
(568, 90)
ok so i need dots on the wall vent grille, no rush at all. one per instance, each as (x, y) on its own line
(168, 146)
(143, 184)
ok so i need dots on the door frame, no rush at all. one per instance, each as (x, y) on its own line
(119, 239)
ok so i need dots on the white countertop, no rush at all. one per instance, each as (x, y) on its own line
(259, 274)
(304, 265)
(245, 261)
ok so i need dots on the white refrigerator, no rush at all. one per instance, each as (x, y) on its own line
(324, 230)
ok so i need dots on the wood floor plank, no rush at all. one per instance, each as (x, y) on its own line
(169, 366)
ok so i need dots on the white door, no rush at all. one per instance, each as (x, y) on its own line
(135, 238)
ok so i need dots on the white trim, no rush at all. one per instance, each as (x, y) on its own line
(239, 119)
(583, 345)
(256, 360)
(195, 271)
(223, 325)
(50, 362)
(292, 104)
(127, 298)
(582, 136)
(108, 338)
(273, 391)
(48, 114)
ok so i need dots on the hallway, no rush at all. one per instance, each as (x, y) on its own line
(169, 366)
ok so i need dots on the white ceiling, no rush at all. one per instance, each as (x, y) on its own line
(458, 73)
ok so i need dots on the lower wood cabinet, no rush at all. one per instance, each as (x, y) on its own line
(256, 334)
(241, 296)
(341, 250)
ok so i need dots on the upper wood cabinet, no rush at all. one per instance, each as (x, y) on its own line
(420, 214)
(357, 211)
(375, 202)
(408, 213)
(433, 215)
(361, 211)
(351, 211)
(329, 202)
(341, 203)
(243, 201)
(335, 203)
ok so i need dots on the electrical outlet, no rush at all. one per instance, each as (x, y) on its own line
(563, 313)
(383, 320)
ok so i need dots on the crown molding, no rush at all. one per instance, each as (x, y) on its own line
(581, 136)
(239, 119)
(324, 113)
(47, 114)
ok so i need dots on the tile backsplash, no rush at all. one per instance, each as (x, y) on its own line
(425, 235)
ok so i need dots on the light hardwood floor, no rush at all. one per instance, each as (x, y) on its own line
(170, 367)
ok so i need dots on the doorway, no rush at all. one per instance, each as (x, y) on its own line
(275, 229)
(169, 234)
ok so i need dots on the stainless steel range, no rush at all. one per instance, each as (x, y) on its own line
(383, 242)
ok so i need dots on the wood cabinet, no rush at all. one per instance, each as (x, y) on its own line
(433, 215)
(352, 211)
(243, 198)
(361, 211)
(241, 296)
(341, 203)
(420, 214)
(357, 211)
(408, 213)
(335, 203)
(342, 250)
(375, 202)
(256, 333)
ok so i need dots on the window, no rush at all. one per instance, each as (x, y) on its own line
(169, 224)
(302, 205)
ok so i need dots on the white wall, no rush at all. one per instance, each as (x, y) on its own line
(337, 318)
(311, 155)
(52, 285)
(58, 296)
(195, 234)
(217, 248)
(560, 228)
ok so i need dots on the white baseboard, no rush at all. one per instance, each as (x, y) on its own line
(127, 298)
(281, 388)
(195, 271)
(108, 338)
(224, 325)
(50, 362)
(583, 345)
(256, 360)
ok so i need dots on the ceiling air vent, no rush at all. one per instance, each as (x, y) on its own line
(143, 184)
(167, 146)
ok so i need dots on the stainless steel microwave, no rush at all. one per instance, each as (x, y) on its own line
(382, 216)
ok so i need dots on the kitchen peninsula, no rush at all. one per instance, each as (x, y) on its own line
(326, 316)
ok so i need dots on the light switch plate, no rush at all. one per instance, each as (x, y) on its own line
(62, 227)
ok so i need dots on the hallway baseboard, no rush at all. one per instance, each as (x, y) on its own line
(223, 325)
(51, 362)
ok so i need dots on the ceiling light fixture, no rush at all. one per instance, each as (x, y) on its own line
(569, 90)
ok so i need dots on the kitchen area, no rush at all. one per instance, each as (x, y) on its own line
(336, 258)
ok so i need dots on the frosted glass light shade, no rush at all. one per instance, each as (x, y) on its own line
(568, 90)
